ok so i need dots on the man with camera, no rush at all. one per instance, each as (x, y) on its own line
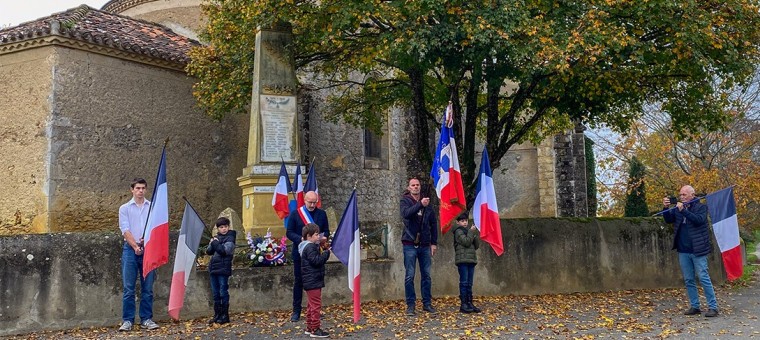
(420, 239)
(692, 241)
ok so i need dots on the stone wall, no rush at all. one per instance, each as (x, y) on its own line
(68, 280)
(25, 104)
(80, 126)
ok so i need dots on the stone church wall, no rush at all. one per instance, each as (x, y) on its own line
(25, 85)
(109, 121)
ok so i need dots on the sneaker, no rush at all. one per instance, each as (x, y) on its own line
(692, 311)
(429, 309)
(126, 326)
(319, 333)
(410, 311)
(294, 317)
(711, 313)
(149, 325)
(307, 332)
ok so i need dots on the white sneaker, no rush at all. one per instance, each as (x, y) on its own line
(149, 324)
(126, 326)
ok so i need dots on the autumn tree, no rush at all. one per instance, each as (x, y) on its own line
(636, 199)
(515, 71)
(709, 161)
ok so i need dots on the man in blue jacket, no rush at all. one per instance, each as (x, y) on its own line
(308, 213)
(692, 241)
(420, 240)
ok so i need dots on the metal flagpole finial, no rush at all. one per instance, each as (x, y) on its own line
(166, 141)
(355, 184)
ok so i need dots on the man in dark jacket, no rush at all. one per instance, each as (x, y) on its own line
(420, 240)
(692, 241)
(308, 213)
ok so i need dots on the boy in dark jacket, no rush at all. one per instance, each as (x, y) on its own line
(221, 248)
(314, 254)
(466, 244)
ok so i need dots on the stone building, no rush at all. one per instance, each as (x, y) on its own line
(90, 96)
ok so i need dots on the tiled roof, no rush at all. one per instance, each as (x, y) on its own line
(118, 6)
(93, 26)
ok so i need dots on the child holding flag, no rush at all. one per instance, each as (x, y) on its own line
(221, 248)
(314, 254)
(466, 244)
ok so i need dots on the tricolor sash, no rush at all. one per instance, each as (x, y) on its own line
(305, 215)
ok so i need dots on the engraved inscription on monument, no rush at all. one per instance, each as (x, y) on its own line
(278, 126)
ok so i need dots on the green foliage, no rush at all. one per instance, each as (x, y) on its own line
(636, 200)
(590, 176)
(517, 71)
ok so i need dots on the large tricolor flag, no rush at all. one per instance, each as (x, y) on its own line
(280, 196)
(446, 174)
(156, 233)
(485, 212)
(298, 186)
(722, 208)
(346, 246)
(311, 184)
(187, 244)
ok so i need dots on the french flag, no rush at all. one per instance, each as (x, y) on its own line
(446, 174)
(346, 247)
(722, 208)
(189, 239)
(298, 186)
(280, 196)
(311, 184)
(485, 212)
(156, 234)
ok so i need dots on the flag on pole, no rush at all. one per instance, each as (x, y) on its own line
(280, 196)
(298, 186)
(346, 246)
(311, 184)
(722, 208)
(156, 233)
(485, 211)
(446, 174)
(189, 239)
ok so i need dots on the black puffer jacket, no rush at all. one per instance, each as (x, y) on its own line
(221, 250)
(313, 266)
(693, 218)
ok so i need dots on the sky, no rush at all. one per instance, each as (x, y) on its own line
(14, 12)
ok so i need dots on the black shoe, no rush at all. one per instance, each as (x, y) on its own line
(469, 303)
(711, 313)
(429, 309)
(295, 317)
(693, 311)
(319, 333)
(410, 311)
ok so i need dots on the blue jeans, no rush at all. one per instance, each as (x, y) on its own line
(131, 270)
(691, 265)
(220, 288)
(411, 256)
(466, 275)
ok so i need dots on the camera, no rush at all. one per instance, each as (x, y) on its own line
(673, 200)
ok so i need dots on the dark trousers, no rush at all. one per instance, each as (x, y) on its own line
(220, 288)
(466, 275)
(297, 285)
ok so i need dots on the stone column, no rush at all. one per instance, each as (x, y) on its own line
(273, 134)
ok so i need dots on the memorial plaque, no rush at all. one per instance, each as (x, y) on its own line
(278, 126)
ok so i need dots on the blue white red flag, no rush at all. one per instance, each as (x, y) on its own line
(311, 184)
(156, 234)
(485, 211)
(298, 186)
(446, 174)
(187, 244)
(280, 196)
(347, 248)
(722, 208)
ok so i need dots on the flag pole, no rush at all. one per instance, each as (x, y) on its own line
(155, 185)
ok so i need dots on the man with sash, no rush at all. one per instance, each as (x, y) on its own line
(308, 213)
